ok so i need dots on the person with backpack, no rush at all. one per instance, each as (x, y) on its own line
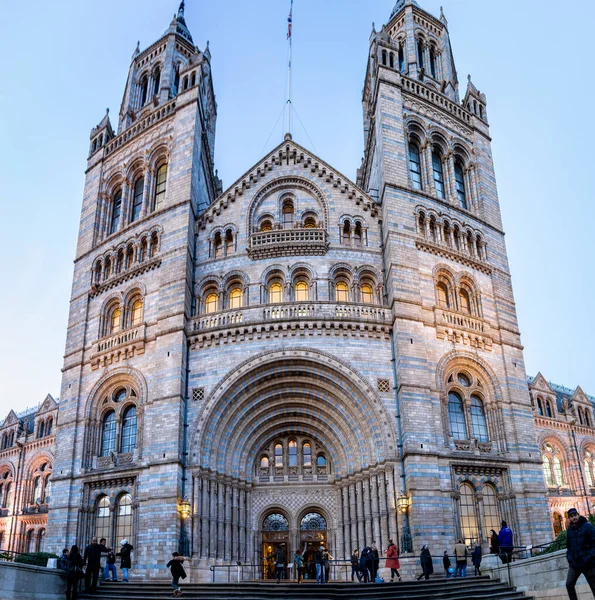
(446, 564)
(125, 560)
(176, 568)
(363, 563)
(580, 552)
(392, 560)
(74, 572)
(298, 561)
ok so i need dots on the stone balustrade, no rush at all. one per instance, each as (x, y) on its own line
(463, 328)
(288, 242)
(123, 344)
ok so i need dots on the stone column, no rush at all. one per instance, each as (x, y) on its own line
(450, 167)
(235, 544)
(346, 521)
(369, 528)
(340, 544)
(361, 526)
(196, 517)
(125, 206)
(146, 193)
(242, 523)
(228, 540)
(382, 489)
(392, 503)
(431, 188)
(220, 518)
(373, 485)
(204, 517)
(353, 515)
(213, 518)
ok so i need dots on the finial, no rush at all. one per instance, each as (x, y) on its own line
(288, 136)
(469, 78)
(373, 27)
(107, 111)
(181, 9)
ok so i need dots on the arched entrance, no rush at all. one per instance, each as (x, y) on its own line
(275, 536)
(313, 534)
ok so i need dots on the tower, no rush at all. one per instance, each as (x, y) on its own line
(131, 295)
(467, 433)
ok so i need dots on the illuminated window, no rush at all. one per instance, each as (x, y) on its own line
(310, 223)
(212, 303)
(292, 453)
(115, 320)
(160, 187)
(367, 293)
(469, 519)
(307, 454)
(264, 462)
(287, 214)
(124, 518)
(342, 292)
(278, 455)
(301, 292)
(547, 471)
(558, 478)
(137, 313)
(491, 510)
(266, 226)
(103, 519)
(275, 293)
(235, 298)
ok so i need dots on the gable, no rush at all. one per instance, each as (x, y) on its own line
(539, 383)
(305, 166)
(11, 419)
(48, 404)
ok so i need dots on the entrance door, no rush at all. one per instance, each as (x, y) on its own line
(275, 537)
(312, 536)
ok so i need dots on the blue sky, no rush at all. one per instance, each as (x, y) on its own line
(66, 62)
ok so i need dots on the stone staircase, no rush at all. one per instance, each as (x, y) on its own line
(469, 588)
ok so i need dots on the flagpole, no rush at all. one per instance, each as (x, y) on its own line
(289, 37)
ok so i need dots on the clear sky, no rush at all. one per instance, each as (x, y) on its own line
(65, 62)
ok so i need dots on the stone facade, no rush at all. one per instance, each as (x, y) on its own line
(289, 359)
(27, 449)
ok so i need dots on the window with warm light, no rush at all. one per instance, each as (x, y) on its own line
(211, 303)
(115, 320)
(137, 313)
(235, 298)
(301, 291)
(342, 292)
(367, 293)
(276, 293)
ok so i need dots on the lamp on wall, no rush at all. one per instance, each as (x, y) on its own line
(403, 503)
(184, 508)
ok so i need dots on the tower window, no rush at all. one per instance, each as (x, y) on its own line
(156, 81)
(266, 226)
(465, 305)
(218, 246)
(129, 430)
(108, 439)
(301, 292)
(235, 298)
(420, 54)
(460, 184)
(346, 237)
(442, 295)
(229, 243)
(384, 57)
(137, 203)
(176, 82)
(115, 320)
(144, 90)
(212, 303)
(342, 292)
(433, 62)
(438, 173)
(456, 417)
(287, 215)
(391, 60)
(401, 59)
(160, 187)
(137, 313)
(357, 235)
(116, 210)
(275, 293)
(414, 165)
(278, 455)
(367, 293)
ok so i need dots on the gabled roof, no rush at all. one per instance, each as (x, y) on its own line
(298, 156)
(48, 404)
(562, 392)
(11, 419)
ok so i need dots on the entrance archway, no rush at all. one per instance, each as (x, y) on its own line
(275, 536)
(313, 534)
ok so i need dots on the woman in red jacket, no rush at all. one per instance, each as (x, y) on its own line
(392, 560)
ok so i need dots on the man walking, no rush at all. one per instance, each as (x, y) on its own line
(461, 559)
(580, 552)
(92, 559)
(505, 542)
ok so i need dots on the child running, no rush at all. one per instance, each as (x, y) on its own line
(175, 565)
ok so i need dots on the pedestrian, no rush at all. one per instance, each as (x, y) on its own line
(580, 552)
(392, 560)
(92, 560)
(363, 563)
(446, 564)
(110, 566)
(327, 557)
(298, 561)
(319, 560)
(125, 560)
(279, 559)
(369, 554)
(102, 560)
(494, 545)
(355, 570)
(476, 558)
(376, 556)
(505, 543)
(63, 560)
(74, 572)
(461, 559)
(427, 565)
(176, 568)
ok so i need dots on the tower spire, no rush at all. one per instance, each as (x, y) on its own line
(288, 102)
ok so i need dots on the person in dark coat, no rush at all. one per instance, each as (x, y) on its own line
(392, 560)
(363, 563)
(427, 566)
(63, 560)
(176, 568)
(446, 564)
(580, 552)
(125, 560)
(370, 562)
(494, 545)
(355, 570)
(505, 542)
(476, 558)
(279, 559)
(92, 560)
(74, 572)
(376, 561)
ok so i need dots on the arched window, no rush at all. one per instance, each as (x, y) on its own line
(275, 522)
(587, 418)
(401, 58)
(460, 184)
(313, 522)
(420, 53)
(310, 223)
(278, 455)
(580, 415)
(266, 225)
(185, 83)
(129, 425)
(456, 417)
(341, 292)
(432, 62)
(218, 246)
(442, 295)
(464, 302)
(137, 201)
(154, 244)
(176, 85)
(292, 453)
(366, 293)
(301, 291)
(115, 320)
(229, 243)
(469, 520)
(108, 438)
(264, 462)
(41, 541)
(41, 429)
(357, 235)
(321, 462)
(558, 477)
(235, 298)
(137, 313)
(37, 490)
(548, 409)
(156, 81)
(307, 454)
(129, 257)
(547, 471)
(8, 497)
(30, 541)
(144, 90)
(211, 303)
(193, 78)
(116, 210)
(478, 420)
(103, 519)
(491, 510)
(346, 237)
(415, 165)
(275, 293)
(160, 187)
(124, 517)
(540, 406)
(589, 468)
(48, 430)
(287, 214)
(438, 172)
